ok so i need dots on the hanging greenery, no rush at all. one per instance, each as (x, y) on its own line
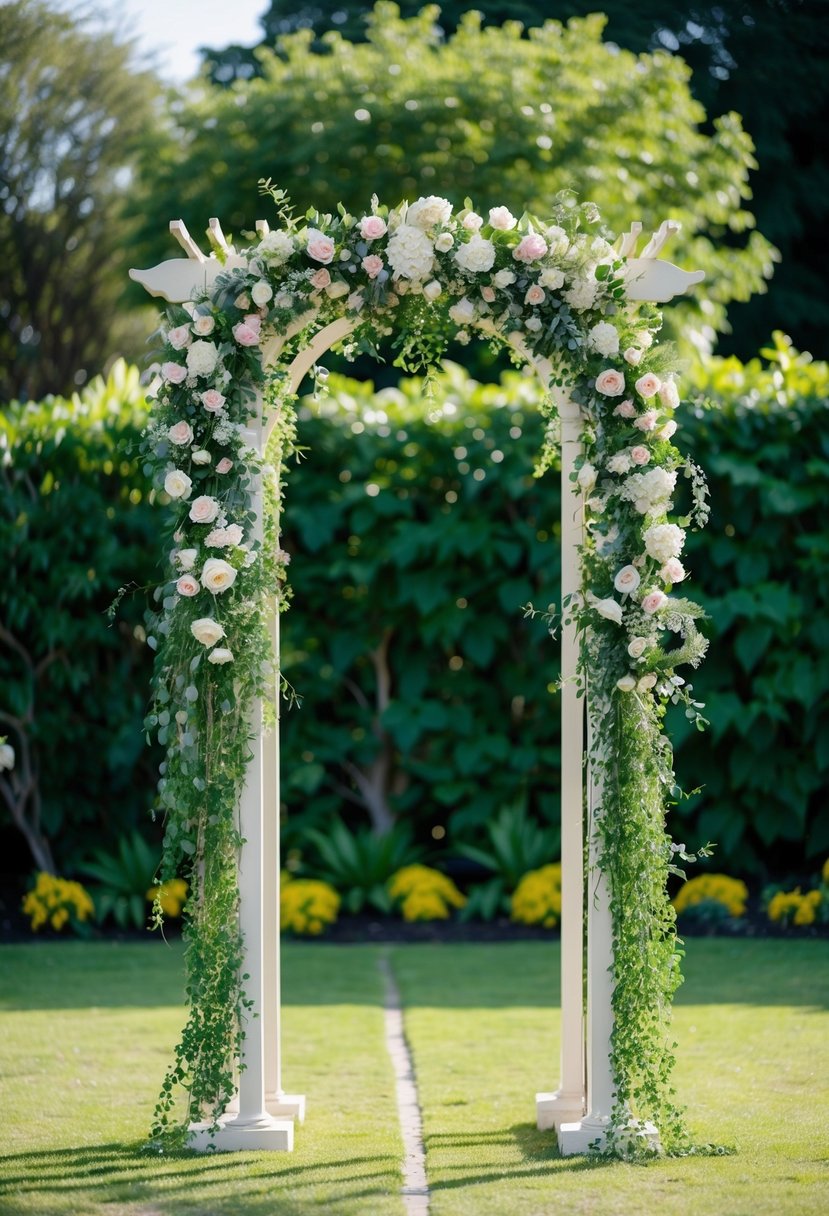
(419, 274)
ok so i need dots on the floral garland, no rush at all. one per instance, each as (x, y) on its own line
(424, 273)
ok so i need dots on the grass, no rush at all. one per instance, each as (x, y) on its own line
(86, 1031)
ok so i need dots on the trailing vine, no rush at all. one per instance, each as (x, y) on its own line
(420, 274)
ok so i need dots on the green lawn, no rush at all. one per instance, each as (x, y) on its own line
(86, 1032)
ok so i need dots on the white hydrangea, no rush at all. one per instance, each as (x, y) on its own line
(476, 254)
(604, 339)
(664, 541)
(429, 211)
(650, 492)
(202, 358)
(619, 463)
(410, 253)
(276, 248)
(582, 295)
(463, 312)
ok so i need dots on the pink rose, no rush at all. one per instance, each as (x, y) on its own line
(530, 248)
(320, 280)
(502, 218)
(653, 601)
(610, 383)
(535, 295)
(180, 434)
(640, 455)
(472, 221)
(673, 571)
(648, 385)
(224, 465)
(179, 337)
(204, 509)
(625, 409)
(188, 585)
(488, 294)
(245, 334)
(646, 422)
(203, 325)
(173, 373)
(372, 265)
(627, 580)
(320, 247)
(212, 400)
(372, 227)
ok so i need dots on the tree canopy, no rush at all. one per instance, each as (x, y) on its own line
(71, 109)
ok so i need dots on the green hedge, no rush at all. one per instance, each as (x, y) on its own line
(418, 534)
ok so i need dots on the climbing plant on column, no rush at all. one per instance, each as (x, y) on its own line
(552, 288)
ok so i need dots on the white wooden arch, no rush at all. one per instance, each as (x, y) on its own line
(262, 1115)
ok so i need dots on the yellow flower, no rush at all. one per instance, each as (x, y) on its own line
(825, 872)
(537, 898)
(307, 905)
(793, 907)
(58, 901)
(171, 896)
(423, 893)
(731, 893)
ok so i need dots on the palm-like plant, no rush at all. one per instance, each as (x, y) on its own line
(123, 879)
(517, 844)
(358, 864)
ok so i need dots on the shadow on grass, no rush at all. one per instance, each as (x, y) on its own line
(538, 1150)
(127, 1175)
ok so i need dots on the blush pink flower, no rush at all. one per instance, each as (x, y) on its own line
(535, 295)
(246, 333)
(673, 571)
(320, 248)
(188, 585)
(204, 509)
(224, 465)
(179, 337)
(488, 294)
(502, 218)
(640, 455)
(320, 280)
(646, 422)
(648, 385)
(625, 409)
(372, 264)
(372, 227)
(653, 601)
(212, 400)
(530, 248)
(174, 373)
(610, 383)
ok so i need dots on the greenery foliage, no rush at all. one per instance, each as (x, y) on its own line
(123, 877)
(72, 107)
(359, 863)
(406, 103)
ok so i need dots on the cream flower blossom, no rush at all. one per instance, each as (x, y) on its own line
(217, 575)
(475, 255)
(219, 655)
(427, 212)
(207, 631)
(410, 253)
(177, 484)
(202, 358)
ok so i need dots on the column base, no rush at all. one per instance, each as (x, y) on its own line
(551, 1110)
(286, 1106)
(237, 1135)
(590, 1135)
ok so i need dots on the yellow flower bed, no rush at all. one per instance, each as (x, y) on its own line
(424, 893)
(537, 898)
(731, 893)
(825, 872)
(306, 905)
(794, 908)
(56, 902)
(171, 896)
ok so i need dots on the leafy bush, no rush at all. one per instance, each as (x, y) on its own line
(76, 522)
(359, 863)
(125, 881)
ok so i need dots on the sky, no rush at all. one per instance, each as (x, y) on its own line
(174, 29)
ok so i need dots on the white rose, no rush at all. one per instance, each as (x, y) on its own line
(201, 456)
(203, 325)
(610, 609)
(668, 430)
(648, 680)
(604, 339)
(664, 541)
(533, 324)
(463, 312)
(637, 647)
(204, 509)
(504, 278)
(444, 242)
(336, 289)
(551, 278)
(426, 212)
(181, 434)
(472, 221)
(186, 558)
(626, 684)
(177, 484)
(207, 631)
(633, 356)
(502, 218)
(410, 253)
(587, 477)
(220, 655)
(476, 255)
(627, 580)
(432, 290)
(6, 756)
(217, 575)
(669, 395)
(202, 358)
(261, 292)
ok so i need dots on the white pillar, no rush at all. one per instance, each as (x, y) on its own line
(568, 1101)
(251, 1126)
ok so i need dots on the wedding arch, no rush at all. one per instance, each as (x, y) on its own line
(241, 330)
